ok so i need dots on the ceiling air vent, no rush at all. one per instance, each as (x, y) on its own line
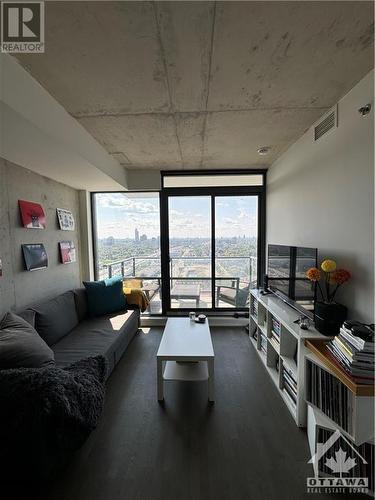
(328, 123)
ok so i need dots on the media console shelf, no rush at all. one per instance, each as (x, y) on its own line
(280, 344)
(349, 406)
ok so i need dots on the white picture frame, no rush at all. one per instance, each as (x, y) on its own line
(66, 219)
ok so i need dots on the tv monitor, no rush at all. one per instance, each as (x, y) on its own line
(286, 269)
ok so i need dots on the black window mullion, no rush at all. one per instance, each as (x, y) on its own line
(213, 253)
(164, 248)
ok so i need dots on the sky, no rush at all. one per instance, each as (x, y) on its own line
(118, 214)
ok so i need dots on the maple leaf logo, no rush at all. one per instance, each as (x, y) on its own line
(341, 464)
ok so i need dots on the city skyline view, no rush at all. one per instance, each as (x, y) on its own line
(128, 238)
(119, 214)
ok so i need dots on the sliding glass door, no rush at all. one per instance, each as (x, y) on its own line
(190, 252)
(212, 250)
(236, 249)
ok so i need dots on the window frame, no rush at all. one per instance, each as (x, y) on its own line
(164, 193)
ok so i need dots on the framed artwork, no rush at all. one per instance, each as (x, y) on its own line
(32, 215)
(67, 252)
(66, 219)
(35, 256)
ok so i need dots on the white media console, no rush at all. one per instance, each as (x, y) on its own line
(282, 353)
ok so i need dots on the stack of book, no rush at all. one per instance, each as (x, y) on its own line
(276, 327)
(290, 385)
(355, 355)
(263, 343)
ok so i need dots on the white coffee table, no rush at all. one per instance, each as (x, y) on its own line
(185, 341)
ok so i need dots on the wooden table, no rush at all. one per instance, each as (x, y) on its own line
(187, 352)
(186, 292)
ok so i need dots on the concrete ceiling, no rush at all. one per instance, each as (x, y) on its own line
(201, 84)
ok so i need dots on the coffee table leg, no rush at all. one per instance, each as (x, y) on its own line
(160, 382)
(211, 380)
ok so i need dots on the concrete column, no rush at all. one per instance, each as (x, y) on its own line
(87, 251)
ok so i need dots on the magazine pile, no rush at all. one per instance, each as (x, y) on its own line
(353, 350)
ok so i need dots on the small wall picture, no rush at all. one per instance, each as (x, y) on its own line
(66, 219)
(32, 215)
(35, 256)
(67, 252)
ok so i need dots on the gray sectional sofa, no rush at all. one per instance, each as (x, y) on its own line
(64, 324)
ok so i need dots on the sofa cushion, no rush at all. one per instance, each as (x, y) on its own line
(105, 297)
(55, 318)
(107, 335)
(80, 297)
(21, 346)
(28, 315)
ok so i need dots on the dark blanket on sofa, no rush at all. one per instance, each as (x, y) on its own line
(46, 414)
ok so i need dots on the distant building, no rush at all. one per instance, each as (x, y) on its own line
(143, 237)
(136, 235)
(109, 241)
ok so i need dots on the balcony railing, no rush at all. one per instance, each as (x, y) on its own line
(128, 268)
(148, 269)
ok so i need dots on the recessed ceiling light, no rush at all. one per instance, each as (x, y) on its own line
(264, 150)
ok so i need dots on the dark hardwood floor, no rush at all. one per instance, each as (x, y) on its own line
(246, 446)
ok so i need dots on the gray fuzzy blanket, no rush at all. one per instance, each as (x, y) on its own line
(46, 414)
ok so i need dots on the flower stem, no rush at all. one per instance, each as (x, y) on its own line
(335, 290)
(327, 286)
(320, 289)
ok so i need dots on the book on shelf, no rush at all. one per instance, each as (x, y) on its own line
(364, 344)
(277, 340)
(263, 343)
(356, 375)
(290, 380)
(291, 399)
(291, 388)
(275, 329)
(327, 393)
(254, 308)
(289, 383)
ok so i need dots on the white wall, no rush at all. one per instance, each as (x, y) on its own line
(19, 288)
(322, 195)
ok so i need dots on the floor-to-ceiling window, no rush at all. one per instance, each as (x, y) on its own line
(213, 239)
(197, 245)
(127, 241)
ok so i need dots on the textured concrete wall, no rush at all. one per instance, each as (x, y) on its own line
(19, 288)
(321, 194)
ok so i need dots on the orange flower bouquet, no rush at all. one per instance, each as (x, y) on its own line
(333, 278)
(328, 315)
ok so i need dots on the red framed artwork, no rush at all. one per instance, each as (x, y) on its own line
(67, 252)
(32, 215)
